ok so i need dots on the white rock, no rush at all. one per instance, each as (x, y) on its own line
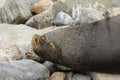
(63, 19)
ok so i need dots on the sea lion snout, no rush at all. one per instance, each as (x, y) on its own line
(37, 40)
(46, 49)
(34, 41)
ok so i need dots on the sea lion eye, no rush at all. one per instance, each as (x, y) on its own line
(52, 45)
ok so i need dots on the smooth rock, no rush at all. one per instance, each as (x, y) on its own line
(23, 70)
(80, 77)
(62, 19)
(15, 40)
(14, 11)
(41, 6)
(58, 76)
(104, 76)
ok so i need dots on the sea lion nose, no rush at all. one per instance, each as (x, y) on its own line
(34, 41)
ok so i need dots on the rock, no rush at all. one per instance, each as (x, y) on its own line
(14, 12)
(100, 4)
(63, 19)
(41, 6)
(9, 52)
(86, 15)
(23, 70)
(60, 6)
(31, 3)
(80, 77)
(90, 47)
(31, 23)
(104, 76)
(46, 18)
(58, 76)
(55, 67)
(69, 75)
(42, 20)
(52, 67)
(15, 41)
(83, 11)
(111, 12)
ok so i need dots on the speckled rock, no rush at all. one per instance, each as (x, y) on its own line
(42, 20)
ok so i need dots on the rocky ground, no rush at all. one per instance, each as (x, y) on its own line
(21, 19)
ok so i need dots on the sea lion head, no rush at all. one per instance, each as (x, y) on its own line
(46, 49)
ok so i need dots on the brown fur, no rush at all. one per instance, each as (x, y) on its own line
(94, 46)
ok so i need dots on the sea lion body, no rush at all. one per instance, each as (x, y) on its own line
(94, 46)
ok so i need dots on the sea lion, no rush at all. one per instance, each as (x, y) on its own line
(94, 46)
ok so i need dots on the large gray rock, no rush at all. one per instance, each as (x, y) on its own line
(23, 70)
(15, 40)
(14, 11)
(105, 76)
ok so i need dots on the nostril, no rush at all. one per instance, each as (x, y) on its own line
(36, 40)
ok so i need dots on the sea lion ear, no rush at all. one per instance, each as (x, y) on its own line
(43, 39)
(52, 45)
